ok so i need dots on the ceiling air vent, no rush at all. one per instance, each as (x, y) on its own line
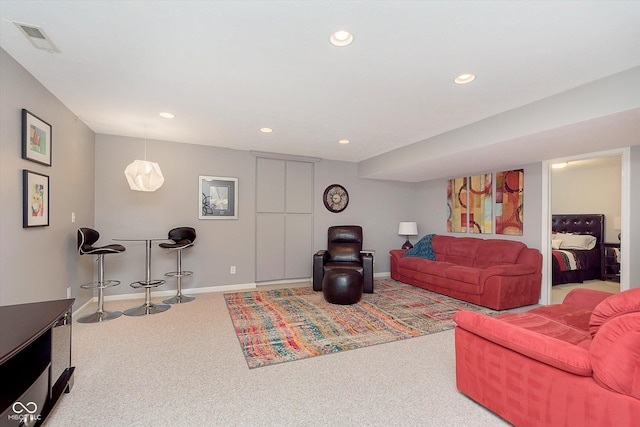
(37, 37)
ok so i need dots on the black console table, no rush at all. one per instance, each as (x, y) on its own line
(35, 360)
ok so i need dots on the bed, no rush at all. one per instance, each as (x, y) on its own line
(586, 265)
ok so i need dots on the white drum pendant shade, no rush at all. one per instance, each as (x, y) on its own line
(144, 176)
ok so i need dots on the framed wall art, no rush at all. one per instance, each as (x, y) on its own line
(35, 199)
(480, 202)
(36, 139)
(509, 202)
(218, 197)
(457, 205)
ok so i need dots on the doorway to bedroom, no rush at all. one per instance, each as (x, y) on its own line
(583, 188)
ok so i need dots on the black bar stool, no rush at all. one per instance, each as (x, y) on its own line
(183, 238)
(86, 238)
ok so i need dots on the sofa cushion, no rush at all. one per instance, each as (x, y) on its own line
(533, 336)
(411, 263)
(615, 355)
(549, 327)
(440, 245)
(435, 268)
(574, 317)
(463, 274)
(495, 251)
(462, 251)
(422, 249)
(613, 306)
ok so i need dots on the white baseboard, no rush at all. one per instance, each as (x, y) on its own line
(284, 282)
(223, 288)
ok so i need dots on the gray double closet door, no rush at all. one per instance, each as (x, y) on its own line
(284, 219)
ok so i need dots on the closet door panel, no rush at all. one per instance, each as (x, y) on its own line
(270, 249)
(299, 186)
(270, 186)
(298, 244)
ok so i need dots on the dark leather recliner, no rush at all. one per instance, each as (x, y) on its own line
(343, 251)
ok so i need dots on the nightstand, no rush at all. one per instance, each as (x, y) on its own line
(610, 265)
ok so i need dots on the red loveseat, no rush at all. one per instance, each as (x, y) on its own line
(495, 273)
(570, 364)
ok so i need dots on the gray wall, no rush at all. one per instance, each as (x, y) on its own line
(120, 212)
(432, 209)
(38, 264)
(378, 206)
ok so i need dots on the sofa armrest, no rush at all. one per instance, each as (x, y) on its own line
(585, 298)
(551, 351)
(397, 253)
(507, 270)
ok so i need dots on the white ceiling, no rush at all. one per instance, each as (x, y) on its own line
(228, 68)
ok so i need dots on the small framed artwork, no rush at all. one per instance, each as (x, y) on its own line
(218, 197)
(36, 139)
(35, 199)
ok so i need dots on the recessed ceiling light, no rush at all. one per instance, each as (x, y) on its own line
(266, 130)
(167, 115)
(344, 141)
(341, 38)
(463, 79)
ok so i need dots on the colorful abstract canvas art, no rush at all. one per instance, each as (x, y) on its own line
(480, 204)
(510, 202)
(457, 205)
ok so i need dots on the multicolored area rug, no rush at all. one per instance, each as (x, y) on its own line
(282, 325)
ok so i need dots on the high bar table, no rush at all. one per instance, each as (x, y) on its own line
(148, 307)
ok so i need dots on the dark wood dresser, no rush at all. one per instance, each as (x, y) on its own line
(35, 360)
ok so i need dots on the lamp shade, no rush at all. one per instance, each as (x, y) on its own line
(408, 228)
(144, 176)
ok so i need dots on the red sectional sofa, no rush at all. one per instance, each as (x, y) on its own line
(570, 364)
(499, 274)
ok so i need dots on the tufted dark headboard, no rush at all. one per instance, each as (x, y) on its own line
(579, 224)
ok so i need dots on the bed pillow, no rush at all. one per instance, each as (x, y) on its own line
(555, 243)
(578, 241)
(422, 249)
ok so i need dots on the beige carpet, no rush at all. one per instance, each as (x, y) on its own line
(284, 325)
(558, 292)
(184, 368)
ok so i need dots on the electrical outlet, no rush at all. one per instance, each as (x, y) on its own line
(232, 270)
(69, 292)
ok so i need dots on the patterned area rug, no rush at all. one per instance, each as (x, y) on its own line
(282, 325)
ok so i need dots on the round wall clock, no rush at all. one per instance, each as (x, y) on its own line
(335, 198)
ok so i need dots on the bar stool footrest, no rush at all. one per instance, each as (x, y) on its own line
(178, 274)
(147, 284)
(100, 285)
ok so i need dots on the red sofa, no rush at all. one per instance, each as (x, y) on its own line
(499, 274)
(570, 364)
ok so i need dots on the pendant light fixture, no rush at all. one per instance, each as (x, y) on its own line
(143, 175)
